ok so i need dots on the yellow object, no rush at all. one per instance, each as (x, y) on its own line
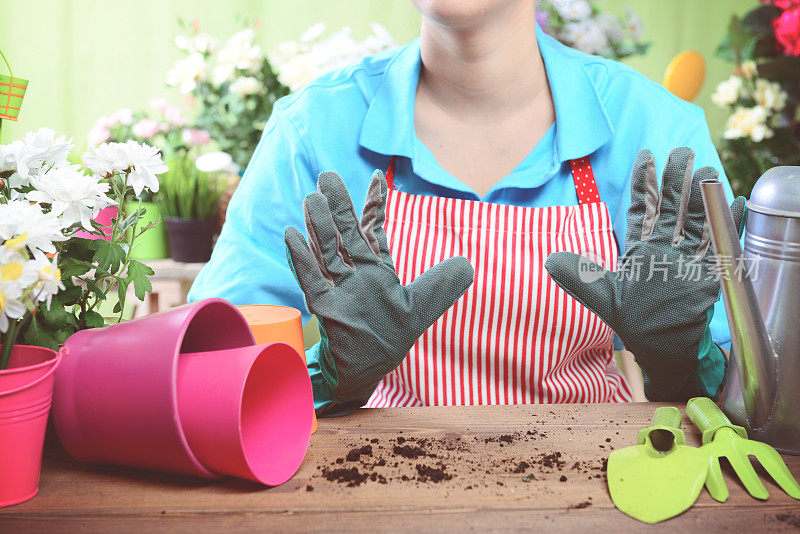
(272, 324)
(685, 75)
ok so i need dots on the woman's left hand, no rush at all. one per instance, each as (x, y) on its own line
(661, 301)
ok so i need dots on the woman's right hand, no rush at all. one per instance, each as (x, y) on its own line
(368, 320)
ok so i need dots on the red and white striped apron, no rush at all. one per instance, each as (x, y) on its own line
(515, 336)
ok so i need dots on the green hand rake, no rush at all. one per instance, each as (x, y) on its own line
(721, 438)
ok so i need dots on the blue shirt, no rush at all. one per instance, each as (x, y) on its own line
(354, 119)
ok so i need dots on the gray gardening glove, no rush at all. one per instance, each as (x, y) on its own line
(368, 321)
(661, 301)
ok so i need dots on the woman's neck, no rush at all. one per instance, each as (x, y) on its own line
(492, 68)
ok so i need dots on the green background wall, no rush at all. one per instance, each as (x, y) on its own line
(86, 58)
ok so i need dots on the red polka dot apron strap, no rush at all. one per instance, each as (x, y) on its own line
(583, 176)
(515, 336)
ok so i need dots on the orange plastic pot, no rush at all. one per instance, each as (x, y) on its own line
(273, 324)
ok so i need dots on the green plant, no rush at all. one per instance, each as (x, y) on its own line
(188, 193)
(53, 280)
(233, 84)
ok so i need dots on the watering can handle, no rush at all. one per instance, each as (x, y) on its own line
(665, 418)
(707, 416)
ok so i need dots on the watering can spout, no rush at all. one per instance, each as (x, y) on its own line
(752, 352)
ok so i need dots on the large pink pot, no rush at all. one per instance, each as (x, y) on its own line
(116, 392)
(26, 390)
(172, 391)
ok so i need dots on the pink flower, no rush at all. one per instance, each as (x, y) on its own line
(194, 137)
(122, 116)
(145, 128)
(787, 31)
(159, 104)
(173, 116)
(98, 135)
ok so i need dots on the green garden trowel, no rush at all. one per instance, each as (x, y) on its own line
(661, 477)
(721, 438)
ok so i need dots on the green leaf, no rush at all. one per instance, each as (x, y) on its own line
(56, 316)
(739, 36)
(70, 267)
(130, 219)
(94, 288)
(39, 336)
(137, 275)
(109, 256)
(759, 21)
(69, 296)
(92, 319)
(122, 294)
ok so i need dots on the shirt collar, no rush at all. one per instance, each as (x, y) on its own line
(582, 124)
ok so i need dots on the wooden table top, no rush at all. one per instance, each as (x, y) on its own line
(491, 468)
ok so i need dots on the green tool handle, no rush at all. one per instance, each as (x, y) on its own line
(667, 416)
(665, 430)
(707, 416)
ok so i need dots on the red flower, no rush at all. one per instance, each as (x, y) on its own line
(783, 4)
(787, 31)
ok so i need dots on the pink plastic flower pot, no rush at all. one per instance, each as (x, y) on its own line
(247, 412)
(26, 389)
(104, 218)
(116, 392)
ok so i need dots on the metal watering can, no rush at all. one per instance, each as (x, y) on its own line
(762, 389)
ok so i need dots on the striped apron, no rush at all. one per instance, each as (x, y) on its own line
(515, 336)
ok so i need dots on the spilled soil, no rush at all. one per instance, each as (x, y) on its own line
(459, 461)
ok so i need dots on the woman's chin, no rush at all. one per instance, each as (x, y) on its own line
(460, 14)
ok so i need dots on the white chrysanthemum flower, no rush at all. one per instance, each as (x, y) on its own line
(15, 280)
(186, 72)
(240, 53)
(45, 149)
(770, 95)
(201, 42)
(14, 157)
(73, 195)
(586, 37)
(727, 92)
(749, 69)
(11, 307)
(611, 26)
(314, 31)
(297, 63)
(634, 25)
(573, 9)
(748, 122)
(141, 162)
(246, 85)
(46, 278)
(23, 224)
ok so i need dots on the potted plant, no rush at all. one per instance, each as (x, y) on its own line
(53, 283)
(762, 95)
(188, 199)
(233, 84)
(161, 125)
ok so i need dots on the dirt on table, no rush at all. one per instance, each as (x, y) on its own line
(459, 461)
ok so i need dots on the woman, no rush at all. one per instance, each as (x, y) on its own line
(501, 147)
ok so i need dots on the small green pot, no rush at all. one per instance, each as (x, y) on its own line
(151, 245)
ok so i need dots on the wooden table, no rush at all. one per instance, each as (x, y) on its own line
(480, 447)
